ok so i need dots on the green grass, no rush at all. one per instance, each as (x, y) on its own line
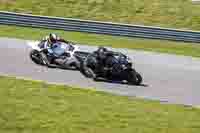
(189, 49)
(37, 107)
(165, 13)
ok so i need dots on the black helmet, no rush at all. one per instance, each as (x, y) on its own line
(101, 51)
(52, 37)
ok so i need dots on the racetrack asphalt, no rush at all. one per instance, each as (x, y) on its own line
(168, 78)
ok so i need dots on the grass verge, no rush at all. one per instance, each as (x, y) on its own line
(32, 106)
(189, 49)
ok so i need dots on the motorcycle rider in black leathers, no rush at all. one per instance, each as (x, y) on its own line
(101, 56)
(47, 46)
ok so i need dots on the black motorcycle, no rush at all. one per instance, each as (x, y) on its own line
(117, 67)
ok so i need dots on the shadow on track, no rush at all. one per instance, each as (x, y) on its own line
(118, 82)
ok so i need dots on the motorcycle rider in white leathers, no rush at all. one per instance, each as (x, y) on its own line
(49, 45)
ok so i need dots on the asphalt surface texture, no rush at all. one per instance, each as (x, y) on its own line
(167, 78)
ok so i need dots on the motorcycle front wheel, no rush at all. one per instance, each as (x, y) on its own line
(89, 73)
(35, 57)
(134, 78)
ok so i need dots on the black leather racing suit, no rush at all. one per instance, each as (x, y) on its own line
(102, 62)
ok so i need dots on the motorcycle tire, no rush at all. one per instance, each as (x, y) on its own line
(85, 70)
(134, 78)
(35, 57)
(89, 73)
(139, 78)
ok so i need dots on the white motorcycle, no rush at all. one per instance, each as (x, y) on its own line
(69, 51)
